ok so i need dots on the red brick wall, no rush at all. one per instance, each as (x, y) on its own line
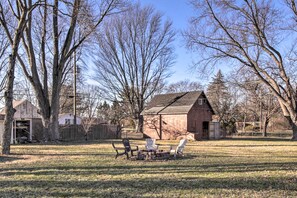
(151, 126)
(176, 126)
(197, 115)
(173, 126)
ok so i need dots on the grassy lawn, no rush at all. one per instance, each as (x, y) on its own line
(225, 168)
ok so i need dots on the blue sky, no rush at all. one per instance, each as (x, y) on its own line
(179, 11)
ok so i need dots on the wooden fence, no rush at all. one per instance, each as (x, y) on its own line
(102, 131)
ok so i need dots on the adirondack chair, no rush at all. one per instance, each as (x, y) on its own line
(128, 147)
(151, 144)
(120, 151)
(178, 151)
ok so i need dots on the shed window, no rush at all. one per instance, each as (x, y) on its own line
(201, 101)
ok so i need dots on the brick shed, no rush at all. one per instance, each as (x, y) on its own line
(178, 115)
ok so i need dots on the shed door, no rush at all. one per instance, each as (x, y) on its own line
(205, 130)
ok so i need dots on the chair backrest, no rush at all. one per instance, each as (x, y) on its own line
(126, 144)
(112, 143)
(151, 144)
(181, 145)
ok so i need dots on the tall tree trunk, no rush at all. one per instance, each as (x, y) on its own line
(54, 126)
(9, 110)
(46, 133)
(139, 124)
(55, 108)
(266, 122)
(293, 125)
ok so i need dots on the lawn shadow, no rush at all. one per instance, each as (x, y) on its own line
(135, 187)
(149, 168)
(62, 154)
(270, 139)
(9, 158)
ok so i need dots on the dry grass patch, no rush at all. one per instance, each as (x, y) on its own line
(225, 168)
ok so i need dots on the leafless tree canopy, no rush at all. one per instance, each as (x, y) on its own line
(13, 19)
(183, 86)
(4, 46)
(134, 54)
(253, 34)
(52, 34)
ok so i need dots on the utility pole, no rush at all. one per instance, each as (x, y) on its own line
(261, 111)
(74, 88)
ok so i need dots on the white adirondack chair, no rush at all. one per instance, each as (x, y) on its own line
(178, 151)
(151, 144)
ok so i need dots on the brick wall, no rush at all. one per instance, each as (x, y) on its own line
(176, 126)
(198, 114)
(173, 126)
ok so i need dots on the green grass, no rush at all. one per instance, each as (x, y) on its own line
(225, 168)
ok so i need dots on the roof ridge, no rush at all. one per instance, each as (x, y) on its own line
(178, 93)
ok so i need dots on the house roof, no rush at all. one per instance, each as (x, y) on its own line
(15, 103)
(175, 103)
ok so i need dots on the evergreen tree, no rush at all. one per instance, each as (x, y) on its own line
(222, 102)
(104, 111)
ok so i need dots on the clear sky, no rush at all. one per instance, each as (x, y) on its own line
(179, 12)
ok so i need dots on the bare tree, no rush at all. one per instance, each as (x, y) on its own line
(50, 38)
(183, 86)
(250, 33)
(134, 55)
(4, 44)
(257, 101)
(88, 110)
(13, 19)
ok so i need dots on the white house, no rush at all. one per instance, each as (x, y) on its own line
(68, 118)
(24, 117)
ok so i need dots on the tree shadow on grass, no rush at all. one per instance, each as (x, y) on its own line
(154, 186)
(148, 169)
(9, 159)
(74, 142)
(252, 145)
(268, 139)
(63, 154)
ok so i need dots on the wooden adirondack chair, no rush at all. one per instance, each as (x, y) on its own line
(151, 144)
(120, 151)
(128, 147)
(178, 151)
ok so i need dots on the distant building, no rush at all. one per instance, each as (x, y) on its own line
(27, 124)
(68, 119)
(179, 115)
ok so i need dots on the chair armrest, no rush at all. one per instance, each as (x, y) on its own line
(119, 148)
(173, 147)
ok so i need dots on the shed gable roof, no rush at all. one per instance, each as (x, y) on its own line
(15, 104)
(175, 103)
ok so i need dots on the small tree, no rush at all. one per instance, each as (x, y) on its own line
(258, 102)
(89, 107)
(103, 111)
